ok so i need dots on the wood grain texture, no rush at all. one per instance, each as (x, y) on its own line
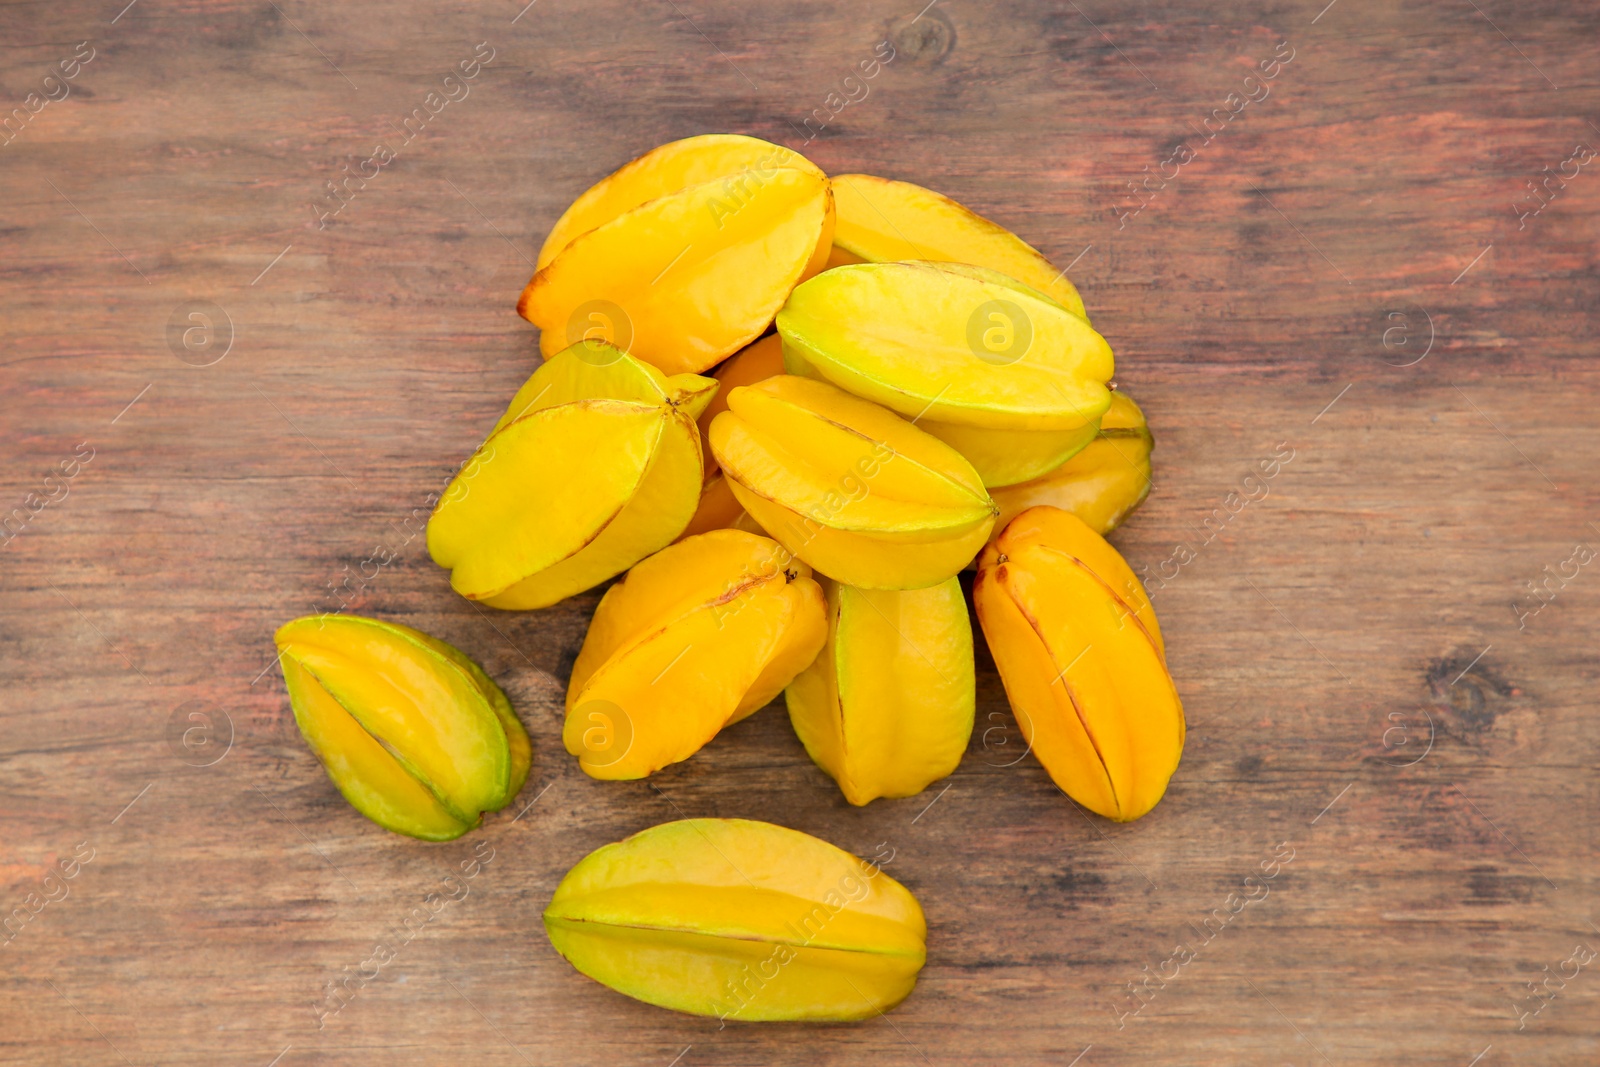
(1356, 618)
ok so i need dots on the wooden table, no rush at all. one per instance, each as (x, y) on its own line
(1338, 269)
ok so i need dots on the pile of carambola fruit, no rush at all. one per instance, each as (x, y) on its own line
(793, 523)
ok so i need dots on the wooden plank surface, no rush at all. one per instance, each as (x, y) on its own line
(1340, 271)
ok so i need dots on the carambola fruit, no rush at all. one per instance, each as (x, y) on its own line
(741, 920)
(753, 363)
(595, 465)
(411, 731)
(1007, 376)
(882, 221)
(851, 488)
(1082, 661)
(718, 508)
(684, 255)
(697, 636)
(887, 707)
(1102, 484)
